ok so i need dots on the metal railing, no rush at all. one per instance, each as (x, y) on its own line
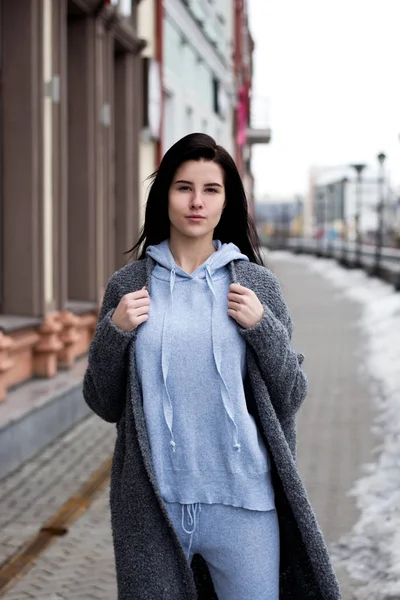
(388, 267)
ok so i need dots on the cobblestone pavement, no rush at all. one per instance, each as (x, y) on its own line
(334, 440)
(40, 487)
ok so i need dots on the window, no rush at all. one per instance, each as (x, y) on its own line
(189, 120)
(204, 86)
(169, 133)
(220, 101)
(215, 87)
(152, 96)
(172, 47)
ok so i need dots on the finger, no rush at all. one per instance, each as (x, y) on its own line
(141, 319)
(139, 293)
(138, 310)
(237, 297)
(139, 302)
(143, 293)
(234, 306)
(238, 289)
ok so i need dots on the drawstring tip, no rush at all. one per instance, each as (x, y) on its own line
(237, 447)
(172, 444)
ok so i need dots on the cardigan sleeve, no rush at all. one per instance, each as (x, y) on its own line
(280, 365)
(104, 382)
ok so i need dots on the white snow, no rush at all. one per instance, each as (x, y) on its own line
(371, 551)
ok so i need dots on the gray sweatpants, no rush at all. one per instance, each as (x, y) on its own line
(240, 547)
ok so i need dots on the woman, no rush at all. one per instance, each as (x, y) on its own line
(192, 360)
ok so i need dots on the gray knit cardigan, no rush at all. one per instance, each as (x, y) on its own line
(150, 562)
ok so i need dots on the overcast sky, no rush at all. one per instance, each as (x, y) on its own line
(331, 71)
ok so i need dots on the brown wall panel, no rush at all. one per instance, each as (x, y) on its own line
(22, 91)
(109, 158)
(81, 161)
(127, 121)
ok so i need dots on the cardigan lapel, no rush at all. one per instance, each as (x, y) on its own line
(150, 264)
(135, 396)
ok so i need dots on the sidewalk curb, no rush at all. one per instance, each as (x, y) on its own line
(23, 438)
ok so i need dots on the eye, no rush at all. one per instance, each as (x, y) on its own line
(183, 188)
(212, 190)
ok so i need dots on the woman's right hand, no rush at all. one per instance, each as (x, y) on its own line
(132, 310)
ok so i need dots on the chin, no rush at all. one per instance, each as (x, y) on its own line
(195, 234)
(193, 229)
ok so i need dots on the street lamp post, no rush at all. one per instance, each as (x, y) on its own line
(299, 219)
(320, 219)
(380, 209)
(330, 213)
(326, 220)
(359, 168)
(343, 209)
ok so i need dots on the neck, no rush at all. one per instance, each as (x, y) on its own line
(190, 253)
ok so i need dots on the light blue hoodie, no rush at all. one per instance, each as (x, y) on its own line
(191, 362)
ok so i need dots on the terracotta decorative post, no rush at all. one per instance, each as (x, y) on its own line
(86, 327)
(46, 350)
(70, 337)
(6, 362)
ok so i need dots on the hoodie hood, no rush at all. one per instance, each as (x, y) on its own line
(211, 270)
(224, 254)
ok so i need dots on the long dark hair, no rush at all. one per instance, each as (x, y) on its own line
(236, 224)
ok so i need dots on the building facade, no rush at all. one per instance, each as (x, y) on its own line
(207, 74)
(71, 116)
(250, 125)
(198, 77)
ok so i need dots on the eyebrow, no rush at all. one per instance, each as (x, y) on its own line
(191, 183)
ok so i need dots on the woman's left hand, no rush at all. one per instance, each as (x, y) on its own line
(244, 306)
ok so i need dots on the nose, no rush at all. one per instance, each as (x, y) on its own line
(196, 200)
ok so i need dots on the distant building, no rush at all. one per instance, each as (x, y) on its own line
(331, 203)
(280, 217)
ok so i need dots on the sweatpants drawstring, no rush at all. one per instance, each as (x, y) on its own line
(191, 512)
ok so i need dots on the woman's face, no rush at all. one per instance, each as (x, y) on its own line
(197, 188)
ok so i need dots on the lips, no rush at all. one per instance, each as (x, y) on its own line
(197, 217)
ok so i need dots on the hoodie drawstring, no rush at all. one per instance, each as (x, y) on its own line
(192, 513)
(226, 397)
(167, 402)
